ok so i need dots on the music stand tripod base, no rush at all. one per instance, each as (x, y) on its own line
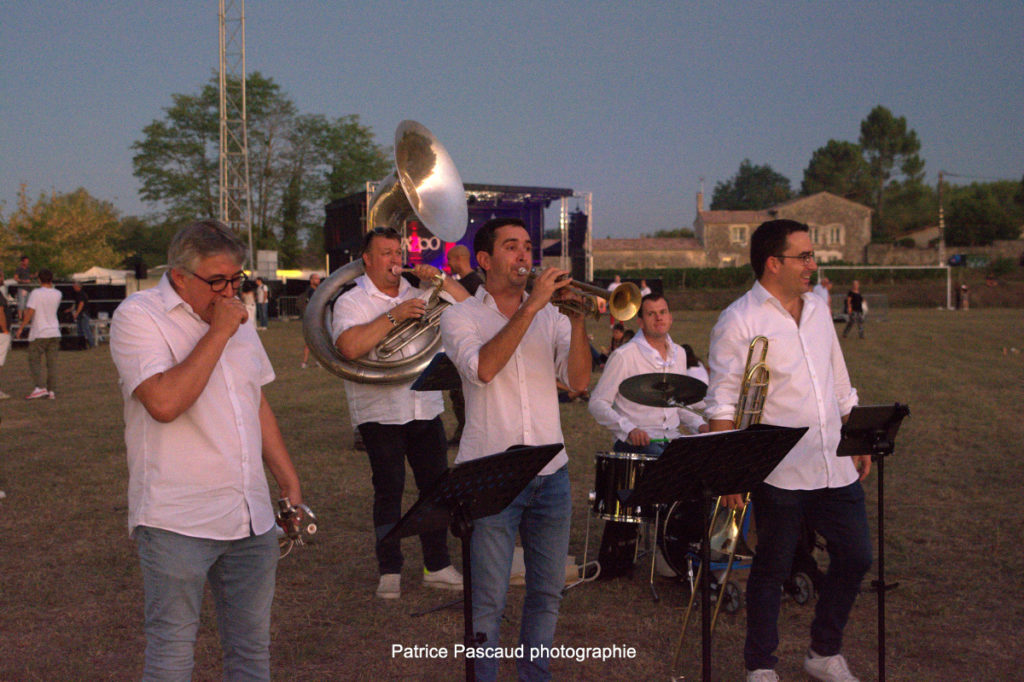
(472, 490)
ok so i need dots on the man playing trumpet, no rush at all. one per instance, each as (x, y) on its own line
(395, 422)
(809, 386)
(509, 348)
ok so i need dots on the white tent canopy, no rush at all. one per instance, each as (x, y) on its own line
(102, 275)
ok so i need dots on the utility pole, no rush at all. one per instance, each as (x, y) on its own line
(235, 197)
(942, 225)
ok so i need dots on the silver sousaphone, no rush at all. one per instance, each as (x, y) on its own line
(425, 185)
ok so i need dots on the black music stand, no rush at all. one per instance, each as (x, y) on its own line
(871, 429)
(468, 491)
(440, 375)
(706, 466)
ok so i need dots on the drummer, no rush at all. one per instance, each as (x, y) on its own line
(638, 428)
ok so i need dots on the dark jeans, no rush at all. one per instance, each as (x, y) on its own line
(388, 446)
(858, 319)
(838, 514)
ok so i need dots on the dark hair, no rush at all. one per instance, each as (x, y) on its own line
(649, 297)
(618, 325)
(46, 276)
(484, 239)
(769, 239)
(692, 359)
(627, 335)
(384, 232)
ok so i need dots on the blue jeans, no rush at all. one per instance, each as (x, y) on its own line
(422, 442)
(541, 514)
(84, 325)
(838, 514)
(262, 314)
(241, 573)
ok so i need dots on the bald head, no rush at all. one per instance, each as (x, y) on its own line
(458, 260)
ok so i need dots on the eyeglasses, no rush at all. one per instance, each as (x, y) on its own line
(807, 257)
(219, 284)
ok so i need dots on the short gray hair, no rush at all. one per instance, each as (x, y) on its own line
(202, 239)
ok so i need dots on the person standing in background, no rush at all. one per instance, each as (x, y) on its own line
(44, 335)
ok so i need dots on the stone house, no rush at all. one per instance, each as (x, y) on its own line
(840, 229)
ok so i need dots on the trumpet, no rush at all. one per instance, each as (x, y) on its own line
(623, 303)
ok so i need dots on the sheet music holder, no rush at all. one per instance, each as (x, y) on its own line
(706, 466)
(440, 375)
(872, 429)
(468, 491)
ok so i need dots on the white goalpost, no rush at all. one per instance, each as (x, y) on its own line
(822, 268)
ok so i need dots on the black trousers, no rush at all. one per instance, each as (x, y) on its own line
(423, 443)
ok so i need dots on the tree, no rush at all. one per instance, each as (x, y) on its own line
(66, 233)
(752, 188)
(889, 145)
(840, 168)
(983, 212)
(678, 233)
(297, 162)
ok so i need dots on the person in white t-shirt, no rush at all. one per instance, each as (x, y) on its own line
(43, 336)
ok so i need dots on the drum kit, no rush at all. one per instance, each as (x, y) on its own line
(677, 528)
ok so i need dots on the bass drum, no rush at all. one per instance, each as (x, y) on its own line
(679, 534)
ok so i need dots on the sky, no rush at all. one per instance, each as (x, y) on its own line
(638, 103)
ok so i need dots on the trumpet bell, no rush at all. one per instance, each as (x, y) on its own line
(624, 302)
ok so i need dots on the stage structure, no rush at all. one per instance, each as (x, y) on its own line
(345, 223)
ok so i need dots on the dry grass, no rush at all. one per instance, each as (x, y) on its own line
(70, 593)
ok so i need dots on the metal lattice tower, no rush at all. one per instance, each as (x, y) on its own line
(235, 197)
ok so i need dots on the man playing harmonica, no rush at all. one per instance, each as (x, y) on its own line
(509, 348)
(395, 422)
(638, 428)
(809, 386)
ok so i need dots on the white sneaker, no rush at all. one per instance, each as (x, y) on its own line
(38, 393)
(828, 668)
(446, 579)
(4, 396)
(390, 586)
(51, 395)
(762, 675)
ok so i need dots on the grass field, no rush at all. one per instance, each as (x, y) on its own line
(71, 595)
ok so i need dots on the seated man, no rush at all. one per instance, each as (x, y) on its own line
(638, 428)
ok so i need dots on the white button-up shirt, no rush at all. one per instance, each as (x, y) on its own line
(809, 384)
(202, 474)
(45, 301)
(519, 406)
(620, 415)
(389, 403)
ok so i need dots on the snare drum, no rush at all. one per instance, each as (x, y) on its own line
(613, 472)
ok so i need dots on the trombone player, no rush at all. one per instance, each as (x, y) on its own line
(809, 386)
(395, 422)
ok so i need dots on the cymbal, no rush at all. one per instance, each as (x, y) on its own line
(663, 390)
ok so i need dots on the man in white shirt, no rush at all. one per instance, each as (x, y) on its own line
(43, 336)
(824, 289)
(395, 423)
(199, 430)
(638, 428)
(809, 386)
(510, 348)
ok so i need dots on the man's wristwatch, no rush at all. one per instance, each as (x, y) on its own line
(391, 318)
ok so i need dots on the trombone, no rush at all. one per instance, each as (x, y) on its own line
(749, 407)
(623, 303)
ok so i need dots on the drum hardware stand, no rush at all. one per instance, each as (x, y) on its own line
(872, 429)
(472, 490)
(707, 466)
(585, 569)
